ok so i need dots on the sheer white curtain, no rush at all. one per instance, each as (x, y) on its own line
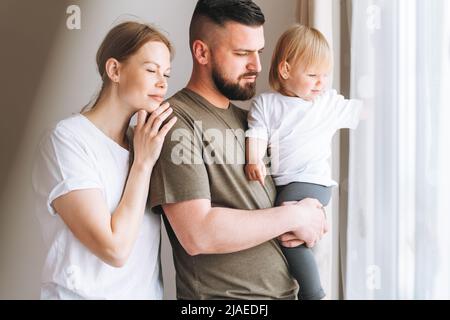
(319, 14)
(398, 237)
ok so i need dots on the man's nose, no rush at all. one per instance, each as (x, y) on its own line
(255, 63)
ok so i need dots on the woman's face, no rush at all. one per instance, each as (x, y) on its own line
(143, 77)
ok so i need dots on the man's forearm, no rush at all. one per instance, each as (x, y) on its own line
(226, 230)
(202, 229)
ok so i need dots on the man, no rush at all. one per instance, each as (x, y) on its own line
(222, 226)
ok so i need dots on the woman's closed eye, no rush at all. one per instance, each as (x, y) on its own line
(154, 71)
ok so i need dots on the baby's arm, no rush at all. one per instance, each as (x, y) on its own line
(255, 169)
(257, 137)
(348, 111)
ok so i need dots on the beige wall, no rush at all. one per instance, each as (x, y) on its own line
(48, 72)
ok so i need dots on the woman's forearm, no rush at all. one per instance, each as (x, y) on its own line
(127, 218)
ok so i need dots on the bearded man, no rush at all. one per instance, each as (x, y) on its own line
(223, 228)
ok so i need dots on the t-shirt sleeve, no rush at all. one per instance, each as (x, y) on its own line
(180, 173)
(347, 111)
(62, 165)
(257, 121)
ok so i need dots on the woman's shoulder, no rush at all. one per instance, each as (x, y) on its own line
(70, 124)
(68, 131)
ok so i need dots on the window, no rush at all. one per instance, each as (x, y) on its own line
(398, 241)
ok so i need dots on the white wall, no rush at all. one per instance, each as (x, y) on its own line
(49, 72)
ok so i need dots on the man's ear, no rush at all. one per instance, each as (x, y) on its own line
(284, 69)
(112, 69)
(201, 52)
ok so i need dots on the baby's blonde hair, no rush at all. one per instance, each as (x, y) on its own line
(300, 46)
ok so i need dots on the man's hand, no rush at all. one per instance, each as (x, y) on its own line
(313, 224)
(256, 172)
(290, 240)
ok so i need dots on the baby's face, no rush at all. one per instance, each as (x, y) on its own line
(308, 83)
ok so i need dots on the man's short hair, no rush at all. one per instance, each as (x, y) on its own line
(219, 12)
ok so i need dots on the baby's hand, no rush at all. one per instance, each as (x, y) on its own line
(256, 172)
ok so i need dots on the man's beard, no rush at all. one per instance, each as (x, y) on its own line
(234, 91)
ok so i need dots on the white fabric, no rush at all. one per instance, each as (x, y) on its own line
(398, 213)
(324, 16)
(77, 155)
(299, 133)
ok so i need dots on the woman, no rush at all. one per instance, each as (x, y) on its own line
(102, 241)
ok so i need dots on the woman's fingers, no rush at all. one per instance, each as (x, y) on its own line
(165, 129)
(141, 117)
(159, 121)
(155, 114)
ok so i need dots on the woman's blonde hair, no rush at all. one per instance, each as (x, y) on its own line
(300, 46)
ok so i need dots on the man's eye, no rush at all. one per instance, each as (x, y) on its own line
(167, 75)
(152, 71)
(312, 75)
(242, 54)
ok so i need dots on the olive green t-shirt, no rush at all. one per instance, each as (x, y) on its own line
(203, 157)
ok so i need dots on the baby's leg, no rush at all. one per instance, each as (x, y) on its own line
(302, 263)
(303, 268)
(297, 191)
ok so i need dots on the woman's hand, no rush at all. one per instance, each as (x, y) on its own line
(148, 137)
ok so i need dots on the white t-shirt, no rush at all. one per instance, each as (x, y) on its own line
(77, 155)
(299, 133)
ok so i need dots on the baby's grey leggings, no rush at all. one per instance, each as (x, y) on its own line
(302, 263)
